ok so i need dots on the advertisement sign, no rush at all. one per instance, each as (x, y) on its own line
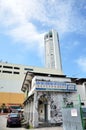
(55, 86)
(74, 112)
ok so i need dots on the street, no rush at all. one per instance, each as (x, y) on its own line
(3, 125)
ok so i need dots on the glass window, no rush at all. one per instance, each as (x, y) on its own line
(7, 72)
(9, 67)
(16, 72)
(29, 69)
(16, 68)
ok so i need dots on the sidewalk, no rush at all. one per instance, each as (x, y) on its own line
(49, 128)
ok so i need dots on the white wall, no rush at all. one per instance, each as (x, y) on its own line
(81, 89)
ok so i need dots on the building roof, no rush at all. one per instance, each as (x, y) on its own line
(78, 80)
(30, 75)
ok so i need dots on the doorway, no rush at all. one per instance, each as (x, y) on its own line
(45, 112)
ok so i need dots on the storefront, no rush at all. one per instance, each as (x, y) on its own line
(44, 99)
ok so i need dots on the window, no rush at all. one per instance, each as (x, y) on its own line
(17, 68)
(8, 67)
(0, 66)
(29, 69)
(82, 103)
(50, 34)
(46, 37)
(7, 72)
(16, 72)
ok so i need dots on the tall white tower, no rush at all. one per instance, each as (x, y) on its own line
(52, 51)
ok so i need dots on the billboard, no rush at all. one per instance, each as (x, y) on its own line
(55, 86)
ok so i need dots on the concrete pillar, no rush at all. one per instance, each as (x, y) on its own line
(35, 111)
(30, 112)
(49, 112)
(27, 111)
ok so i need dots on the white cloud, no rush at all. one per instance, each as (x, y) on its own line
(19, 18)
(21, 11)
(58, 13)
(82, 63)
(16, 16)
(27, 32)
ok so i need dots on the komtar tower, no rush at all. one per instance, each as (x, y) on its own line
(52, 50)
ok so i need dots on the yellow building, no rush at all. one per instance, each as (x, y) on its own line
(11, 98)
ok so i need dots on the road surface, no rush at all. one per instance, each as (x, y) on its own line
(3, 125)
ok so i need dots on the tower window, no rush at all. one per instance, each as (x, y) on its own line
(50, 34)
(46, 37)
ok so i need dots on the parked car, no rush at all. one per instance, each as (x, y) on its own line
(13, 119)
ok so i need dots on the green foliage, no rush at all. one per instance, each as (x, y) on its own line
(30, 127)
(3, 106)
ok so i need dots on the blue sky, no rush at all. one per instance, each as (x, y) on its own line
(23, 24)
